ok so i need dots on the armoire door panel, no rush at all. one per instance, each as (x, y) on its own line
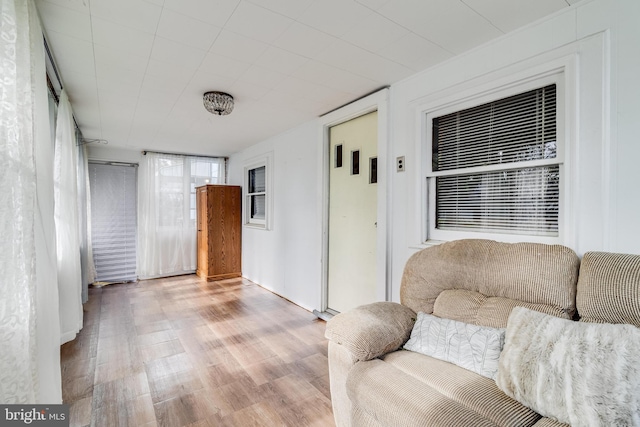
(219, 235)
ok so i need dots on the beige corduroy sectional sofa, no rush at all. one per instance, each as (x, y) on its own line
(374, 382)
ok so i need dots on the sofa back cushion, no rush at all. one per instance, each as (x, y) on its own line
(490, 278)
(609, 288)
(473, 307)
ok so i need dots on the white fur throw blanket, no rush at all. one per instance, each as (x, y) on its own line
(583, 374)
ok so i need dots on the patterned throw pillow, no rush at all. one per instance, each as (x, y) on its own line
(582, 374)
(476, 348)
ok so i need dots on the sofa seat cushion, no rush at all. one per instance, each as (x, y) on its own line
(410, 389)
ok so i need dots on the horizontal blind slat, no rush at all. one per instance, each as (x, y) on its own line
(514, 129)
(509, 201)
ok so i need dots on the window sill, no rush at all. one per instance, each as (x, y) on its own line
(427, 244)
(256, 226)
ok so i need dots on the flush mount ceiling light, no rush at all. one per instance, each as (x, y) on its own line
(219, 103)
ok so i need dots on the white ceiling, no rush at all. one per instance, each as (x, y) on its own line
(135, 70)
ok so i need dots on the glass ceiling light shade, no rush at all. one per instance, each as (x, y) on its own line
(219, 103)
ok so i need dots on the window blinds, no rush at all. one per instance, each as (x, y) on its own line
(515, 129)
(113, 221)
(257, 188)
(498, 135)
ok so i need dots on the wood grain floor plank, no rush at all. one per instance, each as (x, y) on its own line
(164, 366)
(79, 368)
(85, 346)
(160, 350)
(77, 388)
(149, 327)
(174, 385)
(80, 412)
(185, 409)
(261, 414)
(315, 412)
(157, 337)
(221, 374)
(120, 390)
(268, 370)
(134, 412)
(181, 351)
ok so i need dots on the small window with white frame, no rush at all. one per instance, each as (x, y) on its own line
(494, 167)
(257, 193)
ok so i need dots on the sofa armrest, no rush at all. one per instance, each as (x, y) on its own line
(372, 330)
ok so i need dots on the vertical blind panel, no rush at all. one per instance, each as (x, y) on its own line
(518, 201)
(514, 129)
(258, 206)
(113, 217)
(257, 183)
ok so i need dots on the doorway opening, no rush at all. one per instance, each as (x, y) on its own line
(349, 163)
(353, 215)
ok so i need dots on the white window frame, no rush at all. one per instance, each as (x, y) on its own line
(433, 235)
(265, 161)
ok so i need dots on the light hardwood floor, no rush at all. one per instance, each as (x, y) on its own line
(183, 352)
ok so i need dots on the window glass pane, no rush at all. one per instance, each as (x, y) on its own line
(355, 162)
(514, 129)
(202, 168)
(258, 205)
(257, 180)
(170, 190)
(519, 201)
(171, 168)
(373, 170)
(338, 156)
(205, 171)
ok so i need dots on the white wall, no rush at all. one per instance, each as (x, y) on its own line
(625, 119)
(113, 154)
(601, 37)
(287, 258)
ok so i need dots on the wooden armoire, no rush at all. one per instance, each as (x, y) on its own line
(219, 211)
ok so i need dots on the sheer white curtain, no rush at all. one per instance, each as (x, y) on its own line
(65, 181)
(91, 273)
(87, 267)
(167, 211)
(29, 322)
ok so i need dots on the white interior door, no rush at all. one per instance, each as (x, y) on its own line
(353, 213)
